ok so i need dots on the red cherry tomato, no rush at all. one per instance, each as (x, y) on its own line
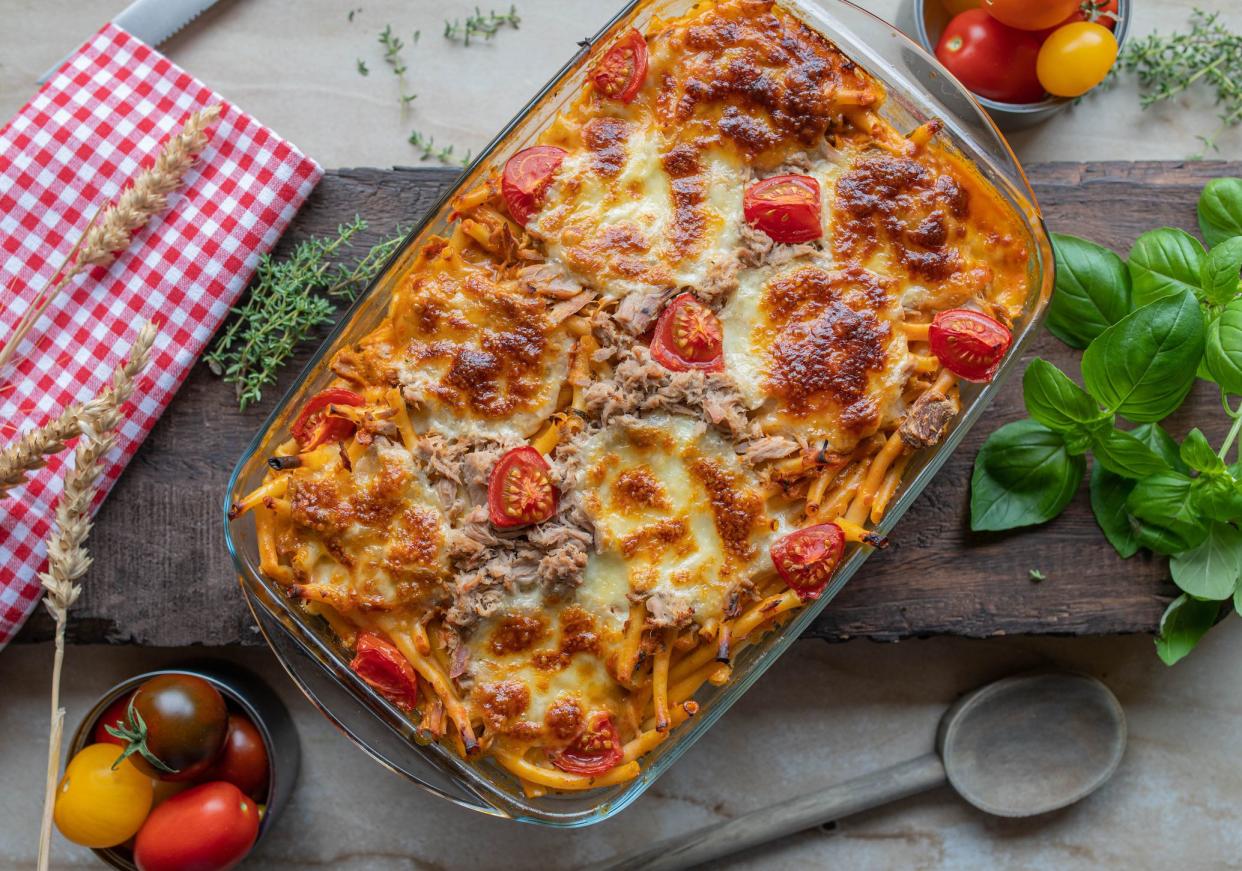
(622, 69)
(520, 490)
(175, 725)
(243, 758)
(114, 716)
(786, 207)
(314, 427)
(991, 59)
(210, 827)
(378, 662)
(806, 559)
(597, 748)
(526, 178)
(970, 344)
(1030, 14)
(688, 335)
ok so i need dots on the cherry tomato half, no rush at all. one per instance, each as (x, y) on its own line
(687, 336)
(597, 748)
(210, 827)
(520, 490)
(991, 59)
(175, 725)
(1030, 14)
(113, 715)
(622, 69)
(1076, 58)
(526, 178)
(314, 427)
(98, 805)
(243, 759)
(786, 207)
(806, 559)
(378, 662)
(970, 344)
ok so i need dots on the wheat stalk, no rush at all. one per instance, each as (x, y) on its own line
(113, 226)
(67, 557)
(30, 452)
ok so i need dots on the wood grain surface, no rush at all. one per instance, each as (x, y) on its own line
(162, 574)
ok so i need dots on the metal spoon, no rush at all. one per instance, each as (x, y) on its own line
(1021, 746)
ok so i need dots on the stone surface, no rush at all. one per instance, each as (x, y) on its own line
(824, 713)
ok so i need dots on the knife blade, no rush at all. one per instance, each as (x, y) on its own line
(152, 21)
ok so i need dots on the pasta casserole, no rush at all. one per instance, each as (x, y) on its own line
(668, 366)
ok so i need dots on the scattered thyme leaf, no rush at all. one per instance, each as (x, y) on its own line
(478, 23)
(392, 50)
(1037, 575)
(426, 146)
(288, 300)
(407, 99)
(353, 12)
(362, 67)
(1168, 64)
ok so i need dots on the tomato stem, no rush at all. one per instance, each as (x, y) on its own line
(134, 733)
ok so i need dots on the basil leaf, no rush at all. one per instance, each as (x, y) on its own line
(1154, 436)
(1198, 454)
(1221, 269)
(1220, 209)
(1210, 570)
(1217, 497)
(1237, 600)
(1168, 522)
(1185, 621)
(1164, 262)
(1023, 475)
(1222, 352)
(1144, 365)
(1108, 503)
(1092, 290)
(1123, 454)
(1056, 401)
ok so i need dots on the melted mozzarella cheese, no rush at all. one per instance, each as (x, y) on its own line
(549, 662)
(477, 357)
(645, 213)
(678, 518)
(817, 351)
(373, 537)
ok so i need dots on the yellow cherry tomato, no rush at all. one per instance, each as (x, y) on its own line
(957, 7)
(97, 806)
(1075, 58)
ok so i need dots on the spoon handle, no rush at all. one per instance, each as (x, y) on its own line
(767, 824)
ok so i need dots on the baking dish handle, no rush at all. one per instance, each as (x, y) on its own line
(363, 727)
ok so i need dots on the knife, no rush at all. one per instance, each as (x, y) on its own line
(152, 21)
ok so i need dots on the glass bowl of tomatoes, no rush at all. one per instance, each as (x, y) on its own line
(1011, 68)
(208, 748)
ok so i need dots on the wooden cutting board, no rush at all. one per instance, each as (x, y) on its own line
(162, 575)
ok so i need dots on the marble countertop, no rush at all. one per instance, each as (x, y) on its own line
(824, 712)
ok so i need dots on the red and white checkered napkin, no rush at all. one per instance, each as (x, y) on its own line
(90, 129)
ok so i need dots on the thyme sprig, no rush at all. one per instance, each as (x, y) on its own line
(480, 24)
(1169, 64)
(392, 50)
(428, 150)
(288, 301)
(392, 56)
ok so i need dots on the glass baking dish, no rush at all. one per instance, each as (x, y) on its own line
(918, 89)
